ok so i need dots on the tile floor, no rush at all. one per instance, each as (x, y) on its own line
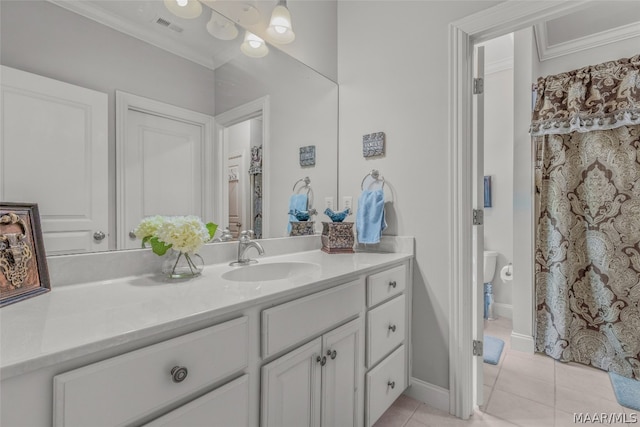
(522, 390)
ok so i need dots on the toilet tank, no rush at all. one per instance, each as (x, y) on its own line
(490, 260)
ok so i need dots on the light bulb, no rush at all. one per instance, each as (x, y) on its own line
(253, 46)
(182, 3)
(187, 9)
(280, 30)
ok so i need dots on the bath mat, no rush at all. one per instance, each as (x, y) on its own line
(492, 349)
(627, 390)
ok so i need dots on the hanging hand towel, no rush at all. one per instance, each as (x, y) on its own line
(370, 216)
(297, 202)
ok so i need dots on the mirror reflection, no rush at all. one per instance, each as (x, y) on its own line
(114, 111)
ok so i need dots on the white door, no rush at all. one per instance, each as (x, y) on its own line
(341, 375)
(291, 388)
(54, 153)
(163, 171)
(478, 230)
(238, 188)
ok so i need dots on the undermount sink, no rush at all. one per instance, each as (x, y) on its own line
(270, 271)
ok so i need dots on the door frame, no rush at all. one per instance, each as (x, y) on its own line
(211, 187)
(490, 23)
(256, 108)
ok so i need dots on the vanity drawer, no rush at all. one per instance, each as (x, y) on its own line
(386, 284)
(385, 383)
(224, 407)
(288, 324)
(386, 329)
(122, 389)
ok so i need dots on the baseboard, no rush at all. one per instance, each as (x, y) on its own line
(433, 395)
(522, 342)
(503, 310)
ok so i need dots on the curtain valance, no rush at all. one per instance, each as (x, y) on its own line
(598, 97)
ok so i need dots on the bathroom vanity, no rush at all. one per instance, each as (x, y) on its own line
(304, 338)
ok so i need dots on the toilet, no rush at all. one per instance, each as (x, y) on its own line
(490, 260)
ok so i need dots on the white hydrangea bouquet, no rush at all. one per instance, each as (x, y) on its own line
(184, 235)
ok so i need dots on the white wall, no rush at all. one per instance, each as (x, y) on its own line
(393, 76)
(498, 162)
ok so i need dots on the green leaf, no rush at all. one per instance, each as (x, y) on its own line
(212, 229)
(145, 240)
(158, 246)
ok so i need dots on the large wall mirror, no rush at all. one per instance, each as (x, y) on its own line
(137, 58)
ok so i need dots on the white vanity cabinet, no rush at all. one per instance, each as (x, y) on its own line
(388, 312)
(126, 388)
(320, 382)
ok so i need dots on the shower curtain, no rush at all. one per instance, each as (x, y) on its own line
(586, 129)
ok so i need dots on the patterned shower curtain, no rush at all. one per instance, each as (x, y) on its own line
(586, 129)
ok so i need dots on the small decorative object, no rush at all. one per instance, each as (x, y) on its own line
(487, 191)
(308, 155)
(373, 144)
(337, 237)
(183, 235)
(302, 228)
(303, 215)
(23, 265)
(337, 216)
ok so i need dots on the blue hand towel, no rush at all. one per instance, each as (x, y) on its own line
(297, 202)
(370, 216)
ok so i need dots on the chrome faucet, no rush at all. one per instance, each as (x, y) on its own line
(244, 243)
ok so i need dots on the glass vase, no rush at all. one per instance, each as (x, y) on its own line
(181, 265)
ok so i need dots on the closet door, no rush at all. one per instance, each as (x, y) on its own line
(53, 151)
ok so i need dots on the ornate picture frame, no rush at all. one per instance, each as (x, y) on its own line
(23, 263)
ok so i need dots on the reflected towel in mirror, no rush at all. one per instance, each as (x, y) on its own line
(297, 202)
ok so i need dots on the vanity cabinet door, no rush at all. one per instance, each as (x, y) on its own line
(342, 375)
(291, 388)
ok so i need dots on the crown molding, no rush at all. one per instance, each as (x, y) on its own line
(546, 51)
(95, 13)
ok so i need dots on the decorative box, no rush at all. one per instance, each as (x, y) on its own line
(302, 228)
(337, 237)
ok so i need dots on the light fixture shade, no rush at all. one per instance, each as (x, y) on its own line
(221, 28)
(187, 9)
(280, 30)
(253, 46)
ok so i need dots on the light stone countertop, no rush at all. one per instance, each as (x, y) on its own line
(78, 320)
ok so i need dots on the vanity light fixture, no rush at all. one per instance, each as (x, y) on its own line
(221, 28)
(280, 30)
(253, 46)
(187, 9)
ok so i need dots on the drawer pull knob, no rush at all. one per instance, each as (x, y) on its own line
(392, 284)
(179, 374)
(331, 353)
(392, 328)
(391, 384)
(322, 360)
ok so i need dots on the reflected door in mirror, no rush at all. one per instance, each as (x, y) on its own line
(163, 172)
(54, 153)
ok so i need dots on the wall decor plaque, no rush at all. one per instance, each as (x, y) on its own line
(308, 155)
(373, 144)
(23, 262)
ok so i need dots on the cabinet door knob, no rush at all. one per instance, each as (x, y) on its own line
(132, 234)
(99, 235)
(391, 384)
(333, 354)
(392, 328)
(179, 374)
(392, 284)
(322, 360)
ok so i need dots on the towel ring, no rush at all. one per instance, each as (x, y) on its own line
(375, 175)
(307, 184)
